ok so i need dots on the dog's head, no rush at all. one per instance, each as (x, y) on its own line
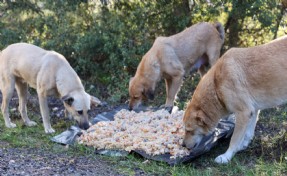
(78, 104)
(139, 90)
(196, 126)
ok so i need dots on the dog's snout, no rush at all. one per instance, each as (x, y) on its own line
(183, 144)
(84, 126)
(130, 107)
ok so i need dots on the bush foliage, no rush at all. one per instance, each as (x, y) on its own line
(105, 40)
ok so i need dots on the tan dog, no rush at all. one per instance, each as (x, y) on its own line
(171, 57)
(243, 81)
(49, 73)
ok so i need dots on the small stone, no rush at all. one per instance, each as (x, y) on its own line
(11, 161)
(146, 161)
(55, 108)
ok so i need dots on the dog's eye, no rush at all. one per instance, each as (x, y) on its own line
(191, 133)
(80, 112)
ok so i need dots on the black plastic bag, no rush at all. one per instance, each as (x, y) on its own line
(223, 130)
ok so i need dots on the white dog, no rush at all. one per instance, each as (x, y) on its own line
(49, 73)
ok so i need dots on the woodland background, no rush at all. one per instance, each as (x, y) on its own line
(104, 40)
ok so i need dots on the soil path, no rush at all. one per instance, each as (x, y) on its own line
(22, 162)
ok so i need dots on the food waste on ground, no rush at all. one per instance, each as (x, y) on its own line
(155, 133)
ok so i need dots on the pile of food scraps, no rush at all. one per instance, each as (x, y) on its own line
(155, 133)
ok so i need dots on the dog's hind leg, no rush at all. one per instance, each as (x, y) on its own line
(202, 64)
(250, 129)
(22, 91)
(210, 58)
(7, 91)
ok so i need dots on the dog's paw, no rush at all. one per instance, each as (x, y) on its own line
(103, 104)
(222, 159)
(30, 123)
(49, 130)
(168, 108)
(10, 125)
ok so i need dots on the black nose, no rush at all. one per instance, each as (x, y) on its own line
(84, 126)
(183, 144)
(130, 108)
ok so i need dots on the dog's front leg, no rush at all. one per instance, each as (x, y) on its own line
(172, 87)
(45, 113)
(237, 140)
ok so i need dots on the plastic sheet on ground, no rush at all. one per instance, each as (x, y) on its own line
(67, 137)
(223, 130)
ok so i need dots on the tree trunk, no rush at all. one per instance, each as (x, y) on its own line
(181, 11)
(235, 22)
(279, 18)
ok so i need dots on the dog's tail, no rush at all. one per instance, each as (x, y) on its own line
(219, 27)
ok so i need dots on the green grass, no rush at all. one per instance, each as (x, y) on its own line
(264, 156)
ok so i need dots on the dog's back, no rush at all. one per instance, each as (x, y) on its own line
(25, 61)
(196, 38)
(257, 73)
(22, 53)
(199, 33)
(193, 42)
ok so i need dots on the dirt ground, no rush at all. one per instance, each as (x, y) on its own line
(19, 161)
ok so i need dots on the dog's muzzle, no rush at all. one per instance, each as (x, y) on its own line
(84, 126)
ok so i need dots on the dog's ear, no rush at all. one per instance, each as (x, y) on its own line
(149, 94)
(68, 100)
(200, 121)
(203, 122)
(95, 101)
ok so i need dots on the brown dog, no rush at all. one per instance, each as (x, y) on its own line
(171, 57)
(49, 73)
(243, 81)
